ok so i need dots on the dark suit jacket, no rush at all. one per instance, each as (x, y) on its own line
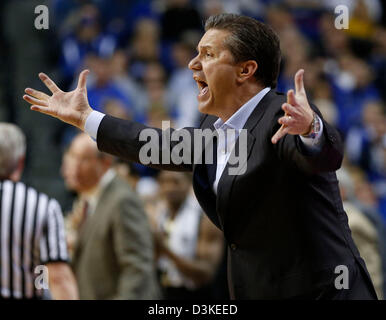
(113, 258)
(283, 218)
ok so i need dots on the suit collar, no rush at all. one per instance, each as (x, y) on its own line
(240, 117)
(226, 181)
(93, 196)
(253, 118)
(101, 209)
(225, 184)
(259, 111)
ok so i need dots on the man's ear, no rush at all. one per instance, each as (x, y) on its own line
(247, 70)
(17, 173)
(108, 160)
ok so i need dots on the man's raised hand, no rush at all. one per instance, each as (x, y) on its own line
(298, 113)
(71, 107)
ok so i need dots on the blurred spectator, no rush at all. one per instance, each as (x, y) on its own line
(144, 47)
(126, 83)
(189, 246)
(378, 60)
(373, 8)
(182, 89)
(249, 7)
(179, 17)
(86, 36)
(120, 16)
(279, 18)
(61, 10)
(158, 117)
(366, 148)
(364, 191)
(319, 90)
(101, 87)
(213, 7)
(334, 42)
(154, 80)
(352, 85)
(364, 142)
(295, 52)
(364, 233)
(113, 253)
(157, 111)
(361, 22)
(356, 189)
(116, 109)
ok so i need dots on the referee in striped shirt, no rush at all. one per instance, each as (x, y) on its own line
(33, 250)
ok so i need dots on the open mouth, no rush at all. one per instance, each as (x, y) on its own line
(202, 87)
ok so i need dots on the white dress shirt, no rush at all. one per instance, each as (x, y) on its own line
(231, 129)
(92, 196)
(237, 122)
(226, 141)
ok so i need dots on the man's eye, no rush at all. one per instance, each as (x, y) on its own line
(208, 54)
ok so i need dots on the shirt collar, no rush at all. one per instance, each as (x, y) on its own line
(93, 196)
(240, 117)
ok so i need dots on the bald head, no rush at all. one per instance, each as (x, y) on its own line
(84, 144)
(83, 164)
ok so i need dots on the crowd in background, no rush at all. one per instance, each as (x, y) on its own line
(138, 52)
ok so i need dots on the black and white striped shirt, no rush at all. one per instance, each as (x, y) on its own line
(31, 234)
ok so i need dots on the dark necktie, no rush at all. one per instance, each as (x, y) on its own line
(83, 213)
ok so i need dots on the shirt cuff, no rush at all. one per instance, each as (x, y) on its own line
(316, 143)
(92, 123)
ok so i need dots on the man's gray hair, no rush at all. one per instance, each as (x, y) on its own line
(250, 40)
(12, 148)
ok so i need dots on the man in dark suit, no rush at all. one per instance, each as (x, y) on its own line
(281, 213)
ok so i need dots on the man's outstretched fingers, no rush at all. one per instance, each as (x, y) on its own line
(287, 108)
(280, 134)
(37, 94)
(83, 79)
(291, 98)
(35, 101)
(299, 84)
(48, 82)
(42, 110)
(286, 120)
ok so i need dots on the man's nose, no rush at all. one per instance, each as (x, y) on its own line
(195, 64)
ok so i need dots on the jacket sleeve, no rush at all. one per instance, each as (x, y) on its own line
(133, 246)
(135, 142)
(290, 148)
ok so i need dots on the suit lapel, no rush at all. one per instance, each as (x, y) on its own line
(216, 207)
(98, 216)
(201, 182)
(226, 181)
